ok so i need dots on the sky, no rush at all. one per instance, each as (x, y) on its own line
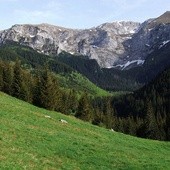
(78, 14)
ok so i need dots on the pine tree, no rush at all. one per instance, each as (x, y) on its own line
(151, 124)
(168, 126)
(7, 78)
(161, 125)
(17, 80)
(17, 83)
(46, 91)
(28, 86)
(84, 110)
(120, 125)
(109, 114)
(64, 105)
(72, 98)
(98, 117)
(132, 129)
(1, 76)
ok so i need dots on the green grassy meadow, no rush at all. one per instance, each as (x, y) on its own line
(80, 84)
(29, 140)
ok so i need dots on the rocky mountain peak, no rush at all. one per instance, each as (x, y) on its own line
(103, 43)
(120, 27)
(116, 44)
(163, 19)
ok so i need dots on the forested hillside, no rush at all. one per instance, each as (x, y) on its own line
(114, 79)
(32, 77)
(144, 113)
(110, 79)
(152, 105)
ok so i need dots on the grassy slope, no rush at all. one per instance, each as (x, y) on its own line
(31, 141)
(80, 84)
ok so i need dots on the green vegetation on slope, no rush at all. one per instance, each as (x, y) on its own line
(29, 140)
(80, 84)
(68, 77)
(152, 104)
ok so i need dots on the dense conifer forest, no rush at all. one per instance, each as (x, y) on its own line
(32, 77)
(144, 113)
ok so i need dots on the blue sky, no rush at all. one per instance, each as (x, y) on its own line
(78, 13)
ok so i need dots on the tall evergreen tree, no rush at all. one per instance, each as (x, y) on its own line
(18, 87)
(168, 126)
(132, 127)
(151, 124)
(7, 78)
(109, 114)
(84, 110)
(27, 86)
(72, 101)
(47, 90)
(1, 75)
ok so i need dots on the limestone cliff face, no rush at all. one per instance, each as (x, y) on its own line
(118, 44)
(103, 43)
(151, 35)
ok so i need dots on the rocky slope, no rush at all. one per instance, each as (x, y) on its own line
(118, 44)
(151, 35)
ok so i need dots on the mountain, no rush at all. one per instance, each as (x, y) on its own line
(121, 45)
(114, 56)
(165, 19)
(153, 34)
(110, 79)
(103, 43)
(68, 77)
(35, 138)
(65, 63)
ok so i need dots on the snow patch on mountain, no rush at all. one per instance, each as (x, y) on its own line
(123, 66)
(109, 43)
(164, 43)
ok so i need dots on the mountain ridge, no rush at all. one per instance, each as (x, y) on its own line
(121, 45)
(94, 43)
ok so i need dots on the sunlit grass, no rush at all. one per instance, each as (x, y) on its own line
(29, 140)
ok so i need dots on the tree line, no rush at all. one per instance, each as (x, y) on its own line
(39, 87)
(144, 113)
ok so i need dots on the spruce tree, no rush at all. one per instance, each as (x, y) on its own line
(47, 90)
(1, 76)
(151, 124)
(64, 105)
(72, 99)
(7, 78)
(17, 83)
(161, 125)
(109, 114)
(168, 127)
(84, 110)
(132, 129)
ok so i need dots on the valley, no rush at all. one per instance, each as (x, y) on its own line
(94, 98)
